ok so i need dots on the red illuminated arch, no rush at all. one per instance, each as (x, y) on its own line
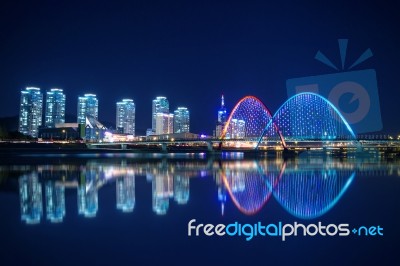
(264, 108)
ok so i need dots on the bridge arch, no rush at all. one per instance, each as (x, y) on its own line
(307, 116)
(248, 120)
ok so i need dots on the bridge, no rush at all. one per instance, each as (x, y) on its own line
(306, 121)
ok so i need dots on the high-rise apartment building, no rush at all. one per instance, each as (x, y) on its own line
(160, 105)
(237, 129)
(126, 116)
(164, 123)
(181, 120)
(88, 105)
(55, 108)
(30, 112)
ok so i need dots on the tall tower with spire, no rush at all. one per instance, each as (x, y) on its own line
(222, 118)
(222, 111)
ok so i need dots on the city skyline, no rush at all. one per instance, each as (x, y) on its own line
(131, 128)
(31, 113)
(246, 109)
(142, 52)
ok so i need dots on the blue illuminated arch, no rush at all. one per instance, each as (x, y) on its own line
(276, 121)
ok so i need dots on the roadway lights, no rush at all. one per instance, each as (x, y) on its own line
(64, 133)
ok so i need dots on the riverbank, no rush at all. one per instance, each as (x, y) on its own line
(37, 148)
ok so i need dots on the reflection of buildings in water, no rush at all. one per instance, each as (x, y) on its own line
(162, 191)
(87, 194)
(125, 191)
(30, 192)
(88, 179)
(221, 190)
(55, 201)
(309, 186)
(222, 198)
(58, 172)
(181, 189)
(160, 205)
(236, 181)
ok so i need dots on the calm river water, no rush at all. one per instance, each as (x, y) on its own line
(124, 209)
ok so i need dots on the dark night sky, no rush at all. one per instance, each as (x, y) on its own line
(189, 51)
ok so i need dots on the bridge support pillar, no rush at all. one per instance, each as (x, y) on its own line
(124, 146)
(164, 147)
(209, 146)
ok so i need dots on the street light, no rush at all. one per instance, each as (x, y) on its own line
(65, 133)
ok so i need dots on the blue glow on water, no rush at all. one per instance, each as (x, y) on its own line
(88, 200)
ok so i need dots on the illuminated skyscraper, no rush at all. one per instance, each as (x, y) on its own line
(164, 123)
(160, 105)
(181, 120)
(88, 105)
(30, 193)
(30, 112)
(222, 118)
(125, 187)
(55, 108)
(237, 129)
(126, 116)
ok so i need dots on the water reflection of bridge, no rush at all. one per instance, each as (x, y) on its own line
(306, 188)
